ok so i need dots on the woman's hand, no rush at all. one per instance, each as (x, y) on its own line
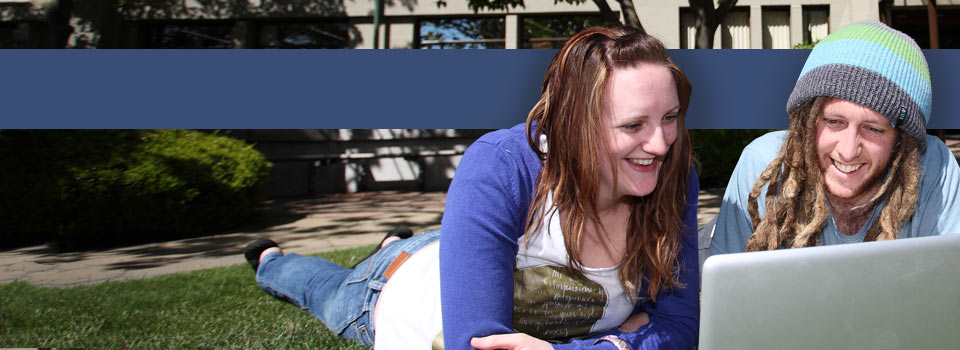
(634, 322)
(513, 341)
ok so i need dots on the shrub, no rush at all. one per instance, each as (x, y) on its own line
(718, 152)
(95, 187)
(806, 45)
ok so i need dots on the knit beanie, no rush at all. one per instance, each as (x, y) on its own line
(874, 66)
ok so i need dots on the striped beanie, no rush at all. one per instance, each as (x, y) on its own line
(874, 66)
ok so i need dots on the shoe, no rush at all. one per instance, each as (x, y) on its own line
(403, 232)
(253, 250)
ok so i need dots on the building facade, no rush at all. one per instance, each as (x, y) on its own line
(415, 24)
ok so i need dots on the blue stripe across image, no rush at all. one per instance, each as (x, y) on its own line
(319, 89)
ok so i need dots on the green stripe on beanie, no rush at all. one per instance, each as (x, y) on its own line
(901, 45)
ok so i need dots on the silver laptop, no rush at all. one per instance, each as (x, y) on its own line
(899, 294)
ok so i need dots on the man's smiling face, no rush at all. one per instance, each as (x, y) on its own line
(854, 148)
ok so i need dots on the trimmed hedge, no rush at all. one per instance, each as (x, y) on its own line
(99, 187)
(718, 152)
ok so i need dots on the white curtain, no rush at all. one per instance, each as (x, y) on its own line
(736, 30)
(776, 29)
(816, 27)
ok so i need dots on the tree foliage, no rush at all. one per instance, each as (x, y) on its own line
(93, 187)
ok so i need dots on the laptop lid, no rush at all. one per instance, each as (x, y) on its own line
(899, 294)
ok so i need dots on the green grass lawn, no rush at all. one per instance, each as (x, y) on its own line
(214, 308)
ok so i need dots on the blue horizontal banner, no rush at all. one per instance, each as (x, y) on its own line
(325, 89)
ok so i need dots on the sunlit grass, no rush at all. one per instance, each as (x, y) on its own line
(213, 308)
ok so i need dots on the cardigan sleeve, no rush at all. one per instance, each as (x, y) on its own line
(483, 219)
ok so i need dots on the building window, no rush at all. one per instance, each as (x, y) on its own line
(190, 35)
(299, 35)
(735, 31)
(816, 25)
(11, 37)
(462, 33)
(550, 32)
(913, 21)
(776, 27)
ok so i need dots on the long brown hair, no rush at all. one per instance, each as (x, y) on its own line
(796, 199)
(569, 114)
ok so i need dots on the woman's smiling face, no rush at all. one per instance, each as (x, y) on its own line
(640, 115)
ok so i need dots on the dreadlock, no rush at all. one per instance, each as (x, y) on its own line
(796, 199)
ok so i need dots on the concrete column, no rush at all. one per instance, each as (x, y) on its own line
(365, 31)
(796, 24)
(512, 28)
(384, 32)
(756, 27)
(870, 10)
(401, 35)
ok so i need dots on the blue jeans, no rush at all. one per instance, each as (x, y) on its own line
(343, 299)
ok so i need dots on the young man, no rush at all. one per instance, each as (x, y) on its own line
(855, 165)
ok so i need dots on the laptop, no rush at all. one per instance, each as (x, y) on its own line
(898, 294)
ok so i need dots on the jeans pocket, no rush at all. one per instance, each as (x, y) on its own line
(358, 322)
(359, 331)
(360, 274)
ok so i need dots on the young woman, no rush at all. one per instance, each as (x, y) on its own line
(573, 230)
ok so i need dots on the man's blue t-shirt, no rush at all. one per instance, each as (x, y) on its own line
(937, 211)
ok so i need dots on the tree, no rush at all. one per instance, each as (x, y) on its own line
(707, 17)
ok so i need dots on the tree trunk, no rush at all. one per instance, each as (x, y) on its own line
(630, 15)
(609, 17)
(708, 18)
(932, 18)
(705, 34)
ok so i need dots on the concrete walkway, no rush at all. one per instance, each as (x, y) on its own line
(304, 226)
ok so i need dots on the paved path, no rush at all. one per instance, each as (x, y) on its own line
(304, 226)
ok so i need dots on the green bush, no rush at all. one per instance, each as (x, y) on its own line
(718, 152)
(97, 187)
(806, 45)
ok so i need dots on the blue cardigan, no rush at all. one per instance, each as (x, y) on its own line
(483, 220)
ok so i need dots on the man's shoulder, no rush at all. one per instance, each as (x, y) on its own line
(764, 148)
(938, 167)
(937, 154)
(768, 143)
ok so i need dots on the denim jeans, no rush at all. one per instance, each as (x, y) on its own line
(343, 299)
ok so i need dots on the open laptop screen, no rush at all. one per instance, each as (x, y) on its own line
(900, 294)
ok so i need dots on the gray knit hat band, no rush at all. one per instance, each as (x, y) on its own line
(863, 87)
